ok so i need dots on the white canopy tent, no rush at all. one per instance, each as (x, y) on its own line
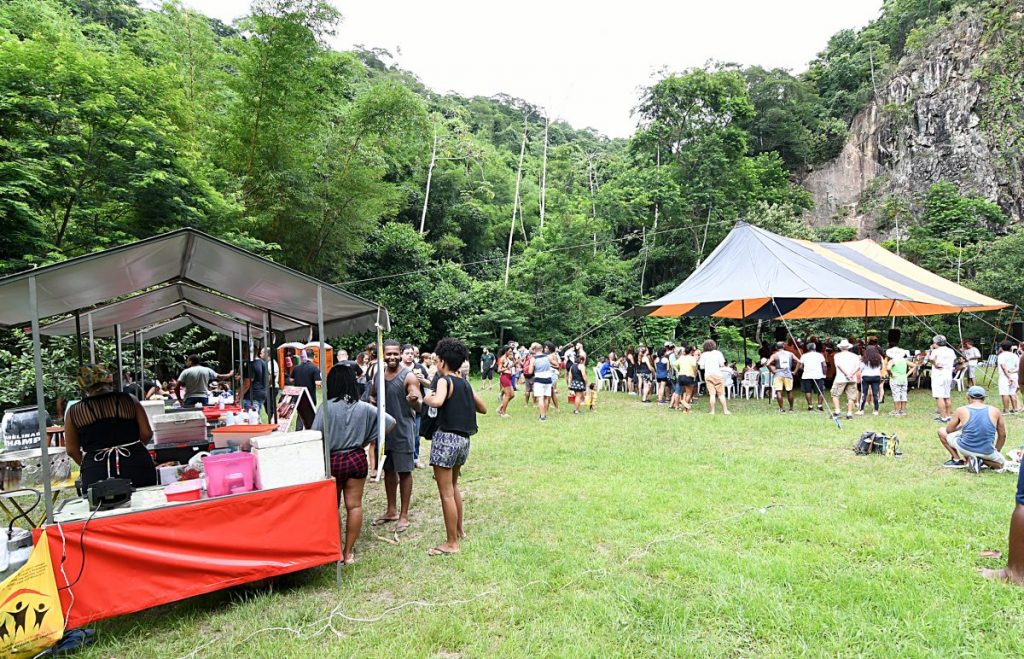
(184, 256)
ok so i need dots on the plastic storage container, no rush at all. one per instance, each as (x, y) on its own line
(241, 434)
(288, 458)
(184, 491)
(229, 473)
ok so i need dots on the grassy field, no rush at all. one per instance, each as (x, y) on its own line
(636, 530)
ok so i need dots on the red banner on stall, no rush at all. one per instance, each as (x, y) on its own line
(142, 559)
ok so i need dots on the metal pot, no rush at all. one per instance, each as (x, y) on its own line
(24, 468)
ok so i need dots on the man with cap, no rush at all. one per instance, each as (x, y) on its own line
(942, 358)
(975, 435)
(847, 367)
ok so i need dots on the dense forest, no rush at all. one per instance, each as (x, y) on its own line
(118, 123)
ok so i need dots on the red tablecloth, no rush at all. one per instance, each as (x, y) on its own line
(143, 559)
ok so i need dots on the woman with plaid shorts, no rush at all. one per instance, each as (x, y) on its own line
(457, 406)
(348, 426)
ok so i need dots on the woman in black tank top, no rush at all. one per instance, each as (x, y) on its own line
(457, 406)
(106, 432)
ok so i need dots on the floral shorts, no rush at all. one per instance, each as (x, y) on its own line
(448, 449)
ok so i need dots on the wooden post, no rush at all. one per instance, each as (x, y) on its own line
(430, 173)
(515, 202)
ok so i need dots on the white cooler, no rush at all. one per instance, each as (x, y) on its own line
(288, 458)
(154, 408)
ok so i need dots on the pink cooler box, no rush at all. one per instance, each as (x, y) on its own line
(229, 473)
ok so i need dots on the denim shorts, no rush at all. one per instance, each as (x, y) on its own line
(448, 450)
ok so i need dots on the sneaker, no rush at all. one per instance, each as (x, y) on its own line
(835, 415)
(974, 465)
(875, 413)
(946, 419)
(543, 418)
(575, 411)
(810, 409)
(781, 411)
(859, 412)
(953, 464)
(821, 408)
(849, 417)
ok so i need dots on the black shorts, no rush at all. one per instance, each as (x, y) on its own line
(488, 374)
(685, 381)
(403, 463)
(813, 386)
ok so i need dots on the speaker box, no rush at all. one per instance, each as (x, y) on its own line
(780, 333)
(894, 336)
(1017, 331)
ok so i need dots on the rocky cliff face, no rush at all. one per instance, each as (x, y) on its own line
(926, 125)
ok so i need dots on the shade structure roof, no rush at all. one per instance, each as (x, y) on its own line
(757, 274)
(159, 329)
(192, 257)
(126, 311)
(207, 318)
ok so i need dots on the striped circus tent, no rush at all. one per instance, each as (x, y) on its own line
(757, 274)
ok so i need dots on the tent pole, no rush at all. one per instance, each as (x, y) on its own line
(138, 343)
(323, 369)
(273, 358)
(743, 329)
(78, 336)
(232, 342)
(92, 341)
(117, 357)
(381, 438)
(248, 357)
(44, 439)
(865, 321)
(142, 362)
(238, 390)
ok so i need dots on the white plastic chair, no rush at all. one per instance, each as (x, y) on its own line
(749, 385)
(958, 381)
(598, 380)
(764, 383)
(616, 380)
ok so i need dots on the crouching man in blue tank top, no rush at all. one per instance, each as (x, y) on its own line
(975, 435)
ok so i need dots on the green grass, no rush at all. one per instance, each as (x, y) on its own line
(635, 530)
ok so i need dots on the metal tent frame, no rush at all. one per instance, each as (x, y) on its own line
(184, 256)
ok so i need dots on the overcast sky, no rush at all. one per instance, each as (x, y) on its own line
(583, 62)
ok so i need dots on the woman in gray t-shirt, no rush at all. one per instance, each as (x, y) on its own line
(348, 425)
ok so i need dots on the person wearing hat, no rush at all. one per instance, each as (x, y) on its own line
(106, 432)
(848, 367)
(942, 359)
(975, 435)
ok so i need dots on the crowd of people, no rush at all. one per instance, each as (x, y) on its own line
(428, 395)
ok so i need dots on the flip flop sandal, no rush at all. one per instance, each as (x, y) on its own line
(381, 521)
(437, 551)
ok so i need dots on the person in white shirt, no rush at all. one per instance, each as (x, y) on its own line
(942, 358)
(1008, 364)
(813, 364)
(972, 355)
(712, 361)
(847, 367)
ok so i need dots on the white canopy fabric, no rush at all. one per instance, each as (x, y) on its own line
(203, 317)
(159, 329)
(185, 255)
(128, 310)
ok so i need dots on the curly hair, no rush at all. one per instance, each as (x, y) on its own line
(452, 352)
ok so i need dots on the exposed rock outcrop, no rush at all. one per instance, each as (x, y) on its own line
(926, 125)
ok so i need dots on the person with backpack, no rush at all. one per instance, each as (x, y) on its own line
(457, 406)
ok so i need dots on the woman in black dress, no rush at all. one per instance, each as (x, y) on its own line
(106, 432)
